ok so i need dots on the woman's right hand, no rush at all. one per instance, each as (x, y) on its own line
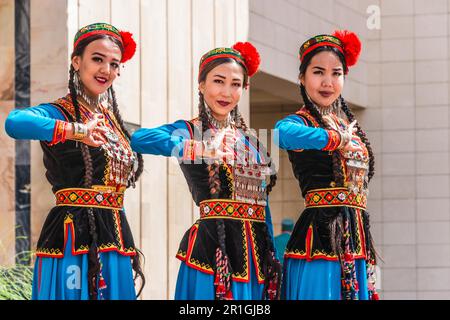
(95, 132)
(350, 146)
(222, 147)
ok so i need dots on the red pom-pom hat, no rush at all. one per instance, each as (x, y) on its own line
(243, 52)
(126, 38)
(345, 41)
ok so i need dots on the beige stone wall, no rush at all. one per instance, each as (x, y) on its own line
(49, 75)
(414, 103)
(7, 151)
(156, 87)
(402, 85)
(278, 27)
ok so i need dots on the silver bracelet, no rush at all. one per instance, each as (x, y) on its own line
(80, 131)
(345, 139)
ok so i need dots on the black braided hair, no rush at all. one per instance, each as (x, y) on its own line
(362, 135)
(215, 183)
(93, 262)
(136, 264)
(240, 123)
(119, 119)
(213, 168)
(372, 253)
(271, 268)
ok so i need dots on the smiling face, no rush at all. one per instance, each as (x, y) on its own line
(98, 66)
(222, 88)
(324, 78)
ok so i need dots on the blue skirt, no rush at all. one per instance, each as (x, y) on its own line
(193, 284)
(67, 278)
(319, 280)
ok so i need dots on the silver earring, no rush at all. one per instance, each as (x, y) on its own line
(77, 83)
(337, 104)
(79, 88)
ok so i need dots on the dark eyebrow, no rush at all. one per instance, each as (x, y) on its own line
(104, 56)
(222, 77)
(323, 69)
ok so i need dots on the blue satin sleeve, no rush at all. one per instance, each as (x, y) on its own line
(294, 134)
(270, 226)
(33, 123)
(166, 140)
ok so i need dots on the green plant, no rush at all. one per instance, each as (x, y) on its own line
(16, 281)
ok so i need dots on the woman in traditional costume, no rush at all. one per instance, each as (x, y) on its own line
(330, 254)
(86, 249)
(228, 253)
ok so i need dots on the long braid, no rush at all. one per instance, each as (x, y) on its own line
(372, 254)
(240, 123)
(272, 181)
(370, 243)
(202, 112)
(213, 168)
(119, 119)
(338, 173)
(362, 135)
(223, 266)
(93, 260)
(271, 268)
(136, 259)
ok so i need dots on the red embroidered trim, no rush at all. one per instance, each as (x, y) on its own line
(252, 237)
(309, 241)
(332, 197)
(334, 139)
(59, 133)
(231, 209)
(79, 197)
(321, 44)
(305, 114)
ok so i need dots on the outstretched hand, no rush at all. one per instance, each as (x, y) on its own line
(350, 146)
(95, 132)
(222, 147)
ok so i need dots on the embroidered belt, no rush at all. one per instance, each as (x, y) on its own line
(230, 209)
(79, 197)
(334, 197)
